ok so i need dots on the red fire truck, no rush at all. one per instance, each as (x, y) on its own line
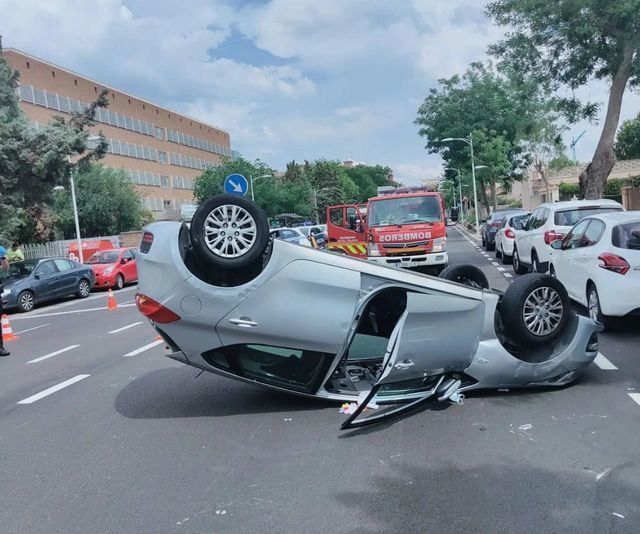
(401, 227)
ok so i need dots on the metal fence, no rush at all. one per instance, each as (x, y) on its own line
(59, 248)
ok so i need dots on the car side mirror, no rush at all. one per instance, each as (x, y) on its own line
(36, 276)
(123, 261)
(557, 244)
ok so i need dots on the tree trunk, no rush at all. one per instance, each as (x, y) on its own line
(494, 194)
(594, 177)
(483, 199)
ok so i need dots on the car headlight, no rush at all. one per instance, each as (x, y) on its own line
(108, 270)
(373, 250)
(6, 292)
(439, 244)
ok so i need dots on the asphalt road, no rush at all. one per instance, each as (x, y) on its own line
(141, 444)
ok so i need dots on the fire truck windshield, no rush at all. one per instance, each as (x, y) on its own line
(404, 211)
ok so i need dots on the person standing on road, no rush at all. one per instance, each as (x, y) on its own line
(4, 267)
(15, 254)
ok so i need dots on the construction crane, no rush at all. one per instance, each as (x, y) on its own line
(574, 142)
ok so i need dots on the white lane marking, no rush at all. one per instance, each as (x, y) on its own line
(53, 389)
(30, 329)
(635, 397)
(494, 264)
(125, 327)
(70, 312)
(603, 363)
(52, 354)
(501, 269)
(142, 349)
(508, 275)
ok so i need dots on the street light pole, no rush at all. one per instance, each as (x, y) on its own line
(76, 219)
(252, 179)
(459, 190)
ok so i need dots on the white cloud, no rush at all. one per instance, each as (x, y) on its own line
(414, 173)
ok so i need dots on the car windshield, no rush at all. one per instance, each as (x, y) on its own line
(404, 210)
(626, 236)
(573, 216)
(108, 256)
(19, 270)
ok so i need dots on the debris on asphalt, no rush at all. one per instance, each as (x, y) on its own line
(526, 427)
(619, 515)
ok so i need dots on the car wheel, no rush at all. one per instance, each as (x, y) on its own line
(505, 259)
(26, 301)
(593, 305)
(490, 246)
(518, 268)
(484, 242)
(468, 275)
(119, 282)
(535, 263)
(535, 309)
(84, 289)
(498, 252)
(229, 232)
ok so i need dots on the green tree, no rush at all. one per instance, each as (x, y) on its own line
(107, 204)
(211, 182)
(494, 153)
(562, 161)
(565, 43)
(628, 139)
(33, 161)
(368, 178)
(507, 110)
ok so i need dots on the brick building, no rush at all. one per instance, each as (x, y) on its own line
(162, 151)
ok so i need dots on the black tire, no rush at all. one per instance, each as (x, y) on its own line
(594, 308)
(439, 268)
(518, 268)
(535, 309)
(506, 260)
(26, 302)
(484, 242)
(498, 252)
(119, 282)
(84, 289)
(222, 254)
(468, 275)
(490, 246)
(535, 263)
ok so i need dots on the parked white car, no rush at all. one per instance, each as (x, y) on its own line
(291, 235)
(506, 236)
(549, 222)
(599, 264)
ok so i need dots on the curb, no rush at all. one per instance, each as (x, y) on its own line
(466, 232)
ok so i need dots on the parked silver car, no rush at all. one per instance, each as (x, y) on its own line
(229, 299)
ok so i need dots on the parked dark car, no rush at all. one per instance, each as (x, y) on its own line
(31, 282)
(493, 224)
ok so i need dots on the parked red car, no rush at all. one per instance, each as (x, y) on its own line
(114, 268)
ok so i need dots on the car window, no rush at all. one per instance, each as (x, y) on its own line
(287, 234)
(626, 236)
(532, 220)
(133, 253)
(352, 218)
(335, 215)
(572, 216)
(518, 222)
(127, 255)
(63, 265)
(593, 233)
(544, 215)
(572, 239)
(45, 268)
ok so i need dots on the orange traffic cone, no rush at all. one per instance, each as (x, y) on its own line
(111, 302)
(7, 332)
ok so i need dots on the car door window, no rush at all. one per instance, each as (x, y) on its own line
(127, 256)
(542, 217)
(336, 216)
(593, 233)
(531, 223)
(287, 234)
(574, 237)
(63, 265)
(46, 268)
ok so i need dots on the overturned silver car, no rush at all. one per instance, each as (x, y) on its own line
(228, 299)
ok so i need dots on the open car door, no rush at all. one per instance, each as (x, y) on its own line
(424, 350)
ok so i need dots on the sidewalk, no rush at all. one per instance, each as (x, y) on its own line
(463, 230)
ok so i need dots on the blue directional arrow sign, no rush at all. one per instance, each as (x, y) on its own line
(236, 184)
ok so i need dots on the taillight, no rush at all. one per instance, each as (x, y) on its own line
(154, 310)
(614, 263)
(509, 233)
(551, 236)
(147, 241)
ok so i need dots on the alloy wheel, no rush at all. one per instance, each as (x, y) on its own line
(594, 305)
(542, 311)
(84, 288)
(26, 302)
(230, 231)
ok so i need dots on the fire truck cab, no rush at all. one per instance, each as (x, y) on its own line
(401, 227)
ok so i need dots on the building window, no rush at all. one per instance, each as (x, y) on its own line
(143, 106)
(129, 101)
(75, 82)
(122, 121)
(162, 156)
(26, 93)
(129, 123)
(53, 73)
(28, 65)
(164, 182)
(65, 105)
(160, 133)
(167, 204)
(52, 100)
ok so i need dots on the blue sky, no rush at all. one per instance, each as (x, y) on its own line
(289, 79)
